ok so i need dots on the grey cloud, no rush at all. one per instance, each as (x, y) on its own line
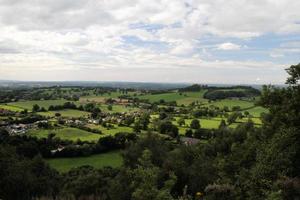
(10, 47)
(52, 15)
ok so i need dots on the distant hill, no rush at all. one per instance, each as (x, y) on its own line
(193, 88)
(133, 85)
(215, 93)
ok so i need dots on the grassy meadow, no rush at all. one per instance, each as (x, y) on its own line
(11, 108)
(110, 131)
(69, 113)
(111, 159)
(66, 133)
(181, 98)
(42, 103)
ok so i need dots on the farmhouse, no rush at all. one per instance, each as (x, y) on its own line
(60, 148)
(17, 129)
(189, 141)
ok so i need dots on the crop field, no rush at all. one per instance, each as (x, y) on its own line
(110, 131)
(117, 108)
(11, 108)
(231, 103)
(101, 98)
(42, 103)
(111, 159)
(172, 96)
(97, 99)
(69, 113)
(256, 111)
(211, 123)
(66, 134)
(181, 98)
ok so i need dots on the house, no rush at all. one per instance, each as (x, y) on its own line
(59, 148)
(94, 121)
(189, 141)
(17, 129)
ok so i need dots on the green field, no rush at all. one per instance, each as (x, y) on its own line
(181, 98)
(256, 111)
(101, 98)
(110, 131)
(66, 134)
(112, 159)
(205, 123)
(231, 103)
(117, 108)
(66, 113)
(97, 99)
(11, 108)
(42, 103)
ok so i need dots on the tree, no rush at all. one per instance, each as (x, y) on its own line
(144, 120)
(195, 124)
(181, 121)
(246, 113)
(294, 72)
(233, 117)
(166, 127)
(109, 107)
(222, 124)
(137, 126)
(145, 181)
(189, 133)
(279, 152)
(23, 178)
(35, 108)
(128, 120)
(95, 112)
(162, 115)
(199, 133)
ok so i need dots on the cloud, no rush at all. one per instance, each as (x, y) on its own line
(228, 46)
(102, 35)
(276, 55)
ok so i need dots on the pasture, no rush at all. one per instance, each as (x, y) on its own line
(180, 97)
(68, 113)
(110, 131)
(231, 103)
(101, 98)
(42, 103)
(67, 133)
(111, 159)
(207, 123)
(11, 108)
(118, 108)
(256, 111)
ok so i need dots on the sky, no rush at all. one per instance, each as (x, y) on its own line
(191, 41)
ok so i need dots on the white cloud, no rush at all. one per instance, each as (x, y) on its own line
(89, 35)
(276, 54)
(228, 46)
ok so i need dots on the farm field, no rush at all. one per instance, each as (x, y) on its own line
(231, 103)
(42, 103)
(181, 98)
(205, 123)
(256, 111)
(66, 133)
(213, 123)
(111, 159)
(11, 108)
(101, 98)
(110, 131)
(97, 99)
(66, 113)
(117, 108)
